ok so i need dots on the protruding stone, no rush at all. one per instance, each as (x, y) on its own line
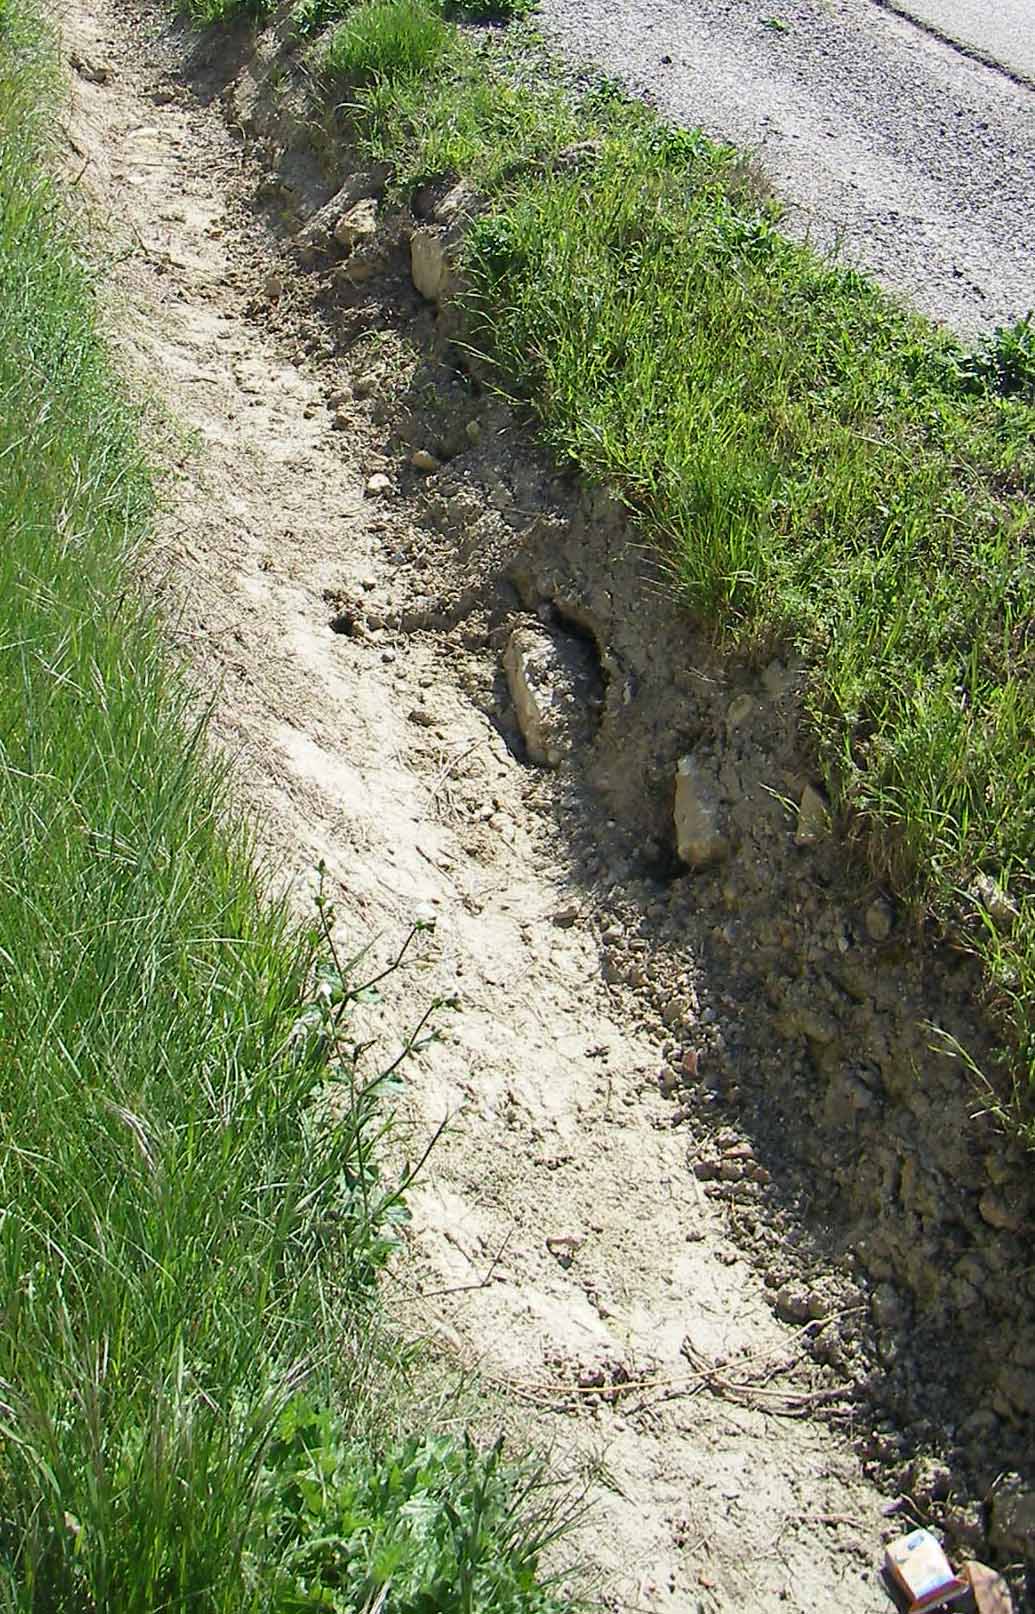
(996, 902)
(813, 817)
(422, 460)
(1012, 1518)
(378, 485)
(320, 232)
(888, 1310)
(430, 266)
(1000, 1211)
(879, 920)
(739, 710)
(554, 687)
(778, 679)
(792, 1303)
(695, 813)
(930, 1480)
(461, 202)
(357, 225)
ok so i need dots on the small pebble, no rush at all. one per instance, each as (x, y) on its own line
(879, 921)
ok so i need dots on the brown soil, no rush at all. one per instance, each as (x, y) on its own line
(694, 1342)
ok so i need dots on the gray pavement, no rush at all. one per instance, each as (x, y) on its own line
(1002, 30)
(913, 160)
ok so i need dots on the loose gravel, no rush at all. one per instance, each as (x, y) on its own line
(914, 161)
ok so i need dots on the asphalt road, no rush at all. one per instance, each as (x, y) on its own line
(912, 159)
(1001, 30)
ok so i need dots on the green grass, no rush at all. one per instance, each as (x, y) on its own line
(821, 470)
(385, 41)
(471, 117)
(388, 41)
(199, 1406)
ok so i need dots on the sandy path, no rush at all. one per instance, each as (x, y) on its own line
(366, 752)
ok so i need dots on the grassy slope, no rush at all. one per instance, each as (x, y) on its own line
(822, 470)
(182, 1247)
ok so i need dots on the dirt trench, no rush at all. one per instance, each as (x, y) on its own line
(623, 1228)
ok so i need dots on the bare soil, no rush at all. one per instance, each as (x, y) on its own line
(623, 1310)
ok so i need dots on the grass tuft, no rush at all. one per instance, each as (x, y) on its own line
(387, 40)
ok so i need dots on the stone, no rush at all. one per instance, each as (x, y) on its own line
(430, 264)
(847, 1098)
(674, 1010)
(996, 902)
(792, 1303)
(357, 225)
(364, 262)
(739, 710)
(554, 688)
(929, 1481)
(813, 817)
(695, 813)
(461, 202)
(1011, 1528)
(378, 485)
(1002, 1211)
(1015, 1393)
(422, 460)
(93, 72)
(572, 159)
(888, 1310)
(965, 1525)
(982, 1427)
(990, 1590)
(879, 920)
(364, 385)
(319, 234)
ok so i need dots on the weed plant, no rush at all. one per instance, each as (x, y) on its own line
(198, 1406)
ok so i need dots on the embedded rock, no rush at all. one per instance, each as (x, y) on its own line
(695, 813)
(553, 686)
(320, 233)
(813, 817)
(431, 264)
(359, 224)
(1012, 1518)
